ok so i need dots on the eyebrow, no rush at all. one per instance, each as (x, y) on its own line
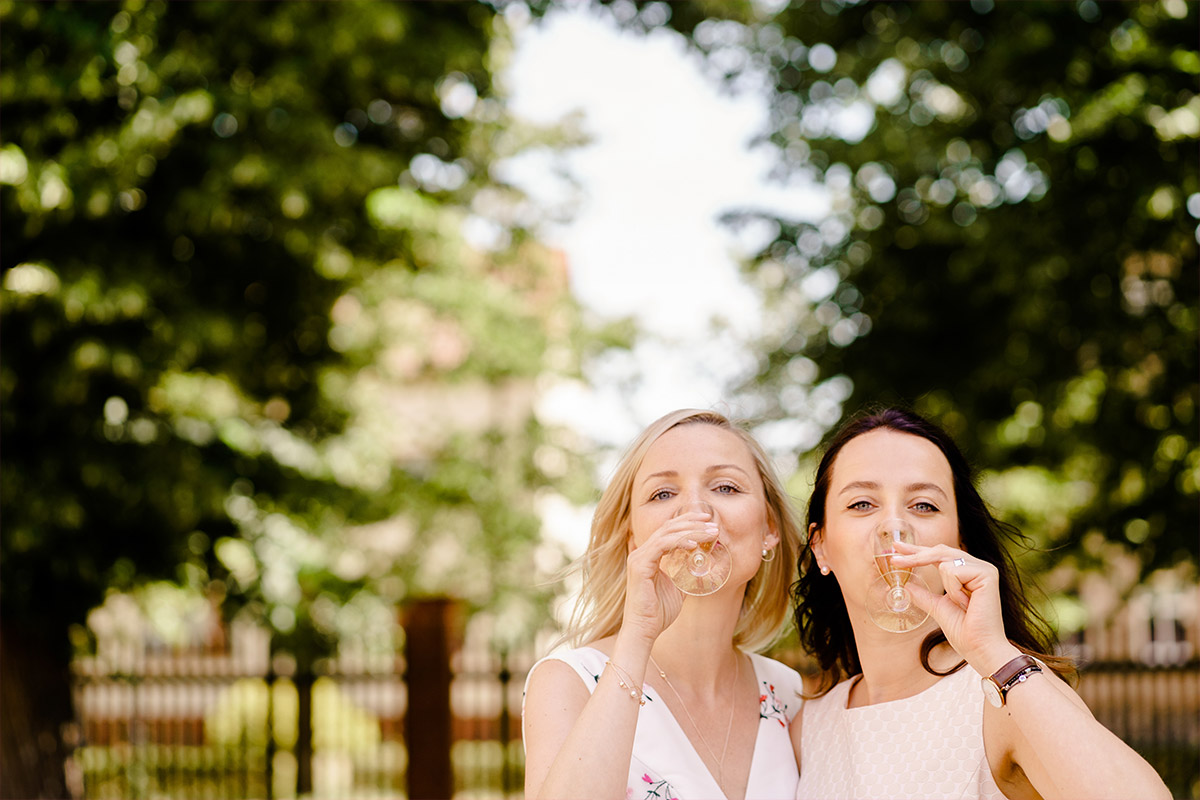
(912, 487)
(670, 473)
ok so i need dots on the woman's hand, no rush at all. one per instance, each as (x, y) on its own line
(652, 602)
(969, 612)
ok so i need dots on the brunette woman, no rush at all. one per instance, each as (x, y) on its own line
(972, 703)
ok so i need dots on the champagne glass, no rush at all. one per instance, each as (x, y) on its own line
(703, 569)
(889, 602)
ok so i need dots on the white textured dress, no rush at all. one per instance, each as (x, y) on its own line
(925, 747)
(665, 765)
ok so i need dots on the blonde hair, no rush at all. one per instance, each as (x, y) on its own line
(599, 609)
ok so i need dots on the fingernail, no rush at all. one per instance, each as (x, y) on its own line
(711, 527)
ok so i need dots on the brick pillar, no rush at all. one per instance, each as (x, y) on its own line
(432, 629)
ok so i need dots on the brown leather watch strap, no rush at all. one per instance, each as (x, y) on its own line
(1005, 674)
(1013, 673)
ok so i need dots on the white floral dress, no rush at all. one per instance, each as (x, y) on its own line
(666, 766)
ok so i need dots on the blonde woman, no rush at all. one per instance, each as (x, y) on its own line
(663, 695)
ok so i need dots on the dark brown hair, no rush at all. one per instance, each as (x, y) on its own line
(820, 609)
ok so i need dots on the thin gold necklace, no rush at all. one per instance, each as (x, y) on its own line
(737, 671)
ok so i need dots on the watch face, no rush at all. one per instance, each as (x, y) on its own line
(992, 693)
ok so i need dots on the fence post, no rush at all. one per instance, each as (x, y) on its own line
(432, 633)
(270, 755)
(304, 732)
(506, 777)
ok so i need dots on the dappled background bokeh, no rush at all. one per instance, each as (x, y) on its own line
(282, 314)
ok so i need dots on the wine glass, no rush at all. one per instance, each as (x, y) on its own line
(703, 569)
(889, 602)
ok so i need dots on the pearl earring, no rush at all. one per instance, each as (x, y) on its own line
(824, 570)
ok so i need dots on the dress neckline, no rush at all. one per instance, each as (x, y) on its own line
(699, 767)
(940, 682)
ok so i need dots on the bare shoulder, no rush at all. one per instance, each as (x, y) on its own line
(555, 695)
(554, 679)
(568, 676)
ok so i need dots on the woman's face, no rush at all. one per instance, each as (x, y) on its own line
(704, 463)
(881, 475)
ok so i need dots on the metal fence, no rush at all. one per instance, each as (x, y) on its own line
(194, 726)
(1154, 709)
(442, 719)
(236, 736)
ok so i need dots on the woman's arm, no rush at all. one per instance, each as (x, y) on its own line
(579, 746)
(1062, 751)
(1044, 728)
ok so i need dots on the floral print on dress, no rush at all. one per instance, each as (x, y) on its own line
(655, 787)
(769, 706)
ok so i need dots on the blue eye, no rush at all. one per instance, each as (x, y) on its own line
(728, 488)
(861, 505)
(926, 507)
(661, 494)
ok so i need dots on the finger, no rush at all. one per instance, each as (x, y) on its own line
(690, 538)
(938, 605)
(648, 559)
(965, 570)
(678, 532)
(700, 522)
(924, 598)
(916, 555)
(953, 582)
(692, 516)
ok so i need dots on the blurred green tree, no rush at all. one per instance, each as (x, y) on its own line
(247, 347)
(1011, 245)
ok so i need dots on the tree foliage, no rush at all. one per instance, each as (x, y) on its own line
(248, 347)
(1011, 246)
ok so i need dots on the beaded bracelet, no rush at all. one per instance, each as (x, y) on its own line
(622, 676)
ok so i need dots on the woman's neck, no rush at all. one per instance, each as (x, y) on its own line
(697, 649)
(891, 665)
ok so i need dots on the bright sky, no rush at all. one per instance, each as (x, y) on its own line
(668, 154)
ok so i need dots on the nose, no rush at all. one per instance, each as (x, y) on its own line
(896, 530)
